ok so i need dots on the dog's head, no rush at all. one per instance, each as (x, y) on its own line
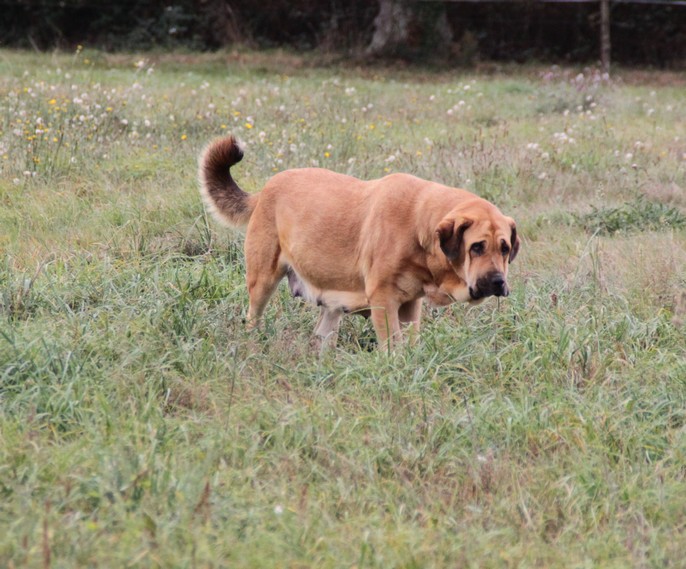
(479, 243)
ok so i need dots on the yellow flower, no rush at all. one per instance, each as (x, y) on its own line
(248, 125)
(183, 137)
(327, 154)
(52, 102)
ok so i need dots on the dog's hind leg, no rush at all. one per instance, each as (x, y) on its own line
(263, 273)
(326, 332)
(260, 289)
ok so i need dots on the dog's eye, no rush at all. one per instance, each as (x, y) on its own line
(505, 249)
(478, 248)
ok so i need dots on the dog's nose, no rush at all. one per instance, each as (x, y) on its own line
(498, 285)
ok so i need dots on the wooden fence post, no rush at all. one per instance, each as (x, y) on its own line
(605, 35)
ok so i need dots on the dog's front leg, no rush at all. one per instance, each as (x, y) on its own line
(386, 323)
(410, 314)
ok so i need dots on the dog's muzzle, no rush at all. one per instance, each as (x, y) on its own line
(492, 284)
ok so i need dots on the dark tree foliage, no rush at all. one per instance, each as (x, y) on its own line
(506, 31)
(194, 24)
(45, 24)
(519, 31)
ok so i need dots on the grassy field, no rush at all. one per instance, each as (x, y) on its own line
(142, 426)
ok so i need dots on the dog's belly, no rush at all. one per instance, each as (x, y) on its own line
(343, 300)
(335, 300)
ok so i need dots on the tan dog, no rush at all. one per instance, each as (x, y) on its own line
(350, 245)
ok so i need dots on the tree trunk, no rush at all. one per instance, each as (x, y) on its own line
(220, 25)
(408, 28)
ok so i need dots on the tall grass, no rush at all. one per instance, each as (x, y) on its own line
(142, 425)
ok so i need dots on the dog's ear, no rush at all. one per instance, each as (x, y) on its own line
(514, 244)
(450, 233)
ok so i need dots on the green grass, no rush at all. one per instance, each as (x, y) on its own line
(638, 215)
(141, 425)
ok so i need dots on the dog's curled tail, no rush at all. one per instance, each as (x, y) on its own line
(223, 198)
